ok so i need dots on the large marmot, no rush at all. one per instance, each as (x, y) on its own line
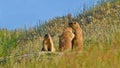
(77, 42)
(65, 40)
(48, 43)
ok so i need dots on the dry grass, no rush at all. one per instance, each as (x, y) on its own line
(101, 30)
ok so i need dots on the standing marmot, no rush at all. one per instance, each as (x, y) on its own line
(77, 42)
(65, 40)
(48, 43)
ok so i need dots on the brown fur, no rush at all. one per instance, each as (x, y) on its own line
(48, 43)
(77, 43)
(65, 40)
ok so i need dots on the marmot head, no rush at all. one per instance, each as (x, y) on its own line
(68, 29)
(47, 36)
(74, 25)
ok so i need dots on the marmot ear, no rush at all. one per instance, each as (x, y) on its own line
(75, 22)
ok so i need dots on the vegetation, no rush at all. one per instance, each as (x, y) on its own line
(20, 48)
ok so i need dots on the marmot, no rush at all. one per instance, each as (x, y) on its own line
(48, 43)
(65, 40)
(77, 42)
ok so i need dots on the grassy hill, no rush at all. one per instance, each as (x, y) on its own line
(101, 29)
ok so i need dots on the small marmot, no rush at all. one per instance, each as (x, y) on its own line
(48, 43)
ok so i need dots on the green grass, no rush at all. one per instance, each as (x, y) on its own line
(20, 48)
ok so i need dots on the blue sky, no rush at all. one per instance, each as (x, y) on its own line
(18, 13)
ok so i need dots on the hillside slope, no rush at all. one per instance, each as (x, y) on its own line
(101, 30)
(103, 13)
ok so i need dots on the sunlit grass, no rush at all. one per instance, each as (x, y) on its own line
(101, 31)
